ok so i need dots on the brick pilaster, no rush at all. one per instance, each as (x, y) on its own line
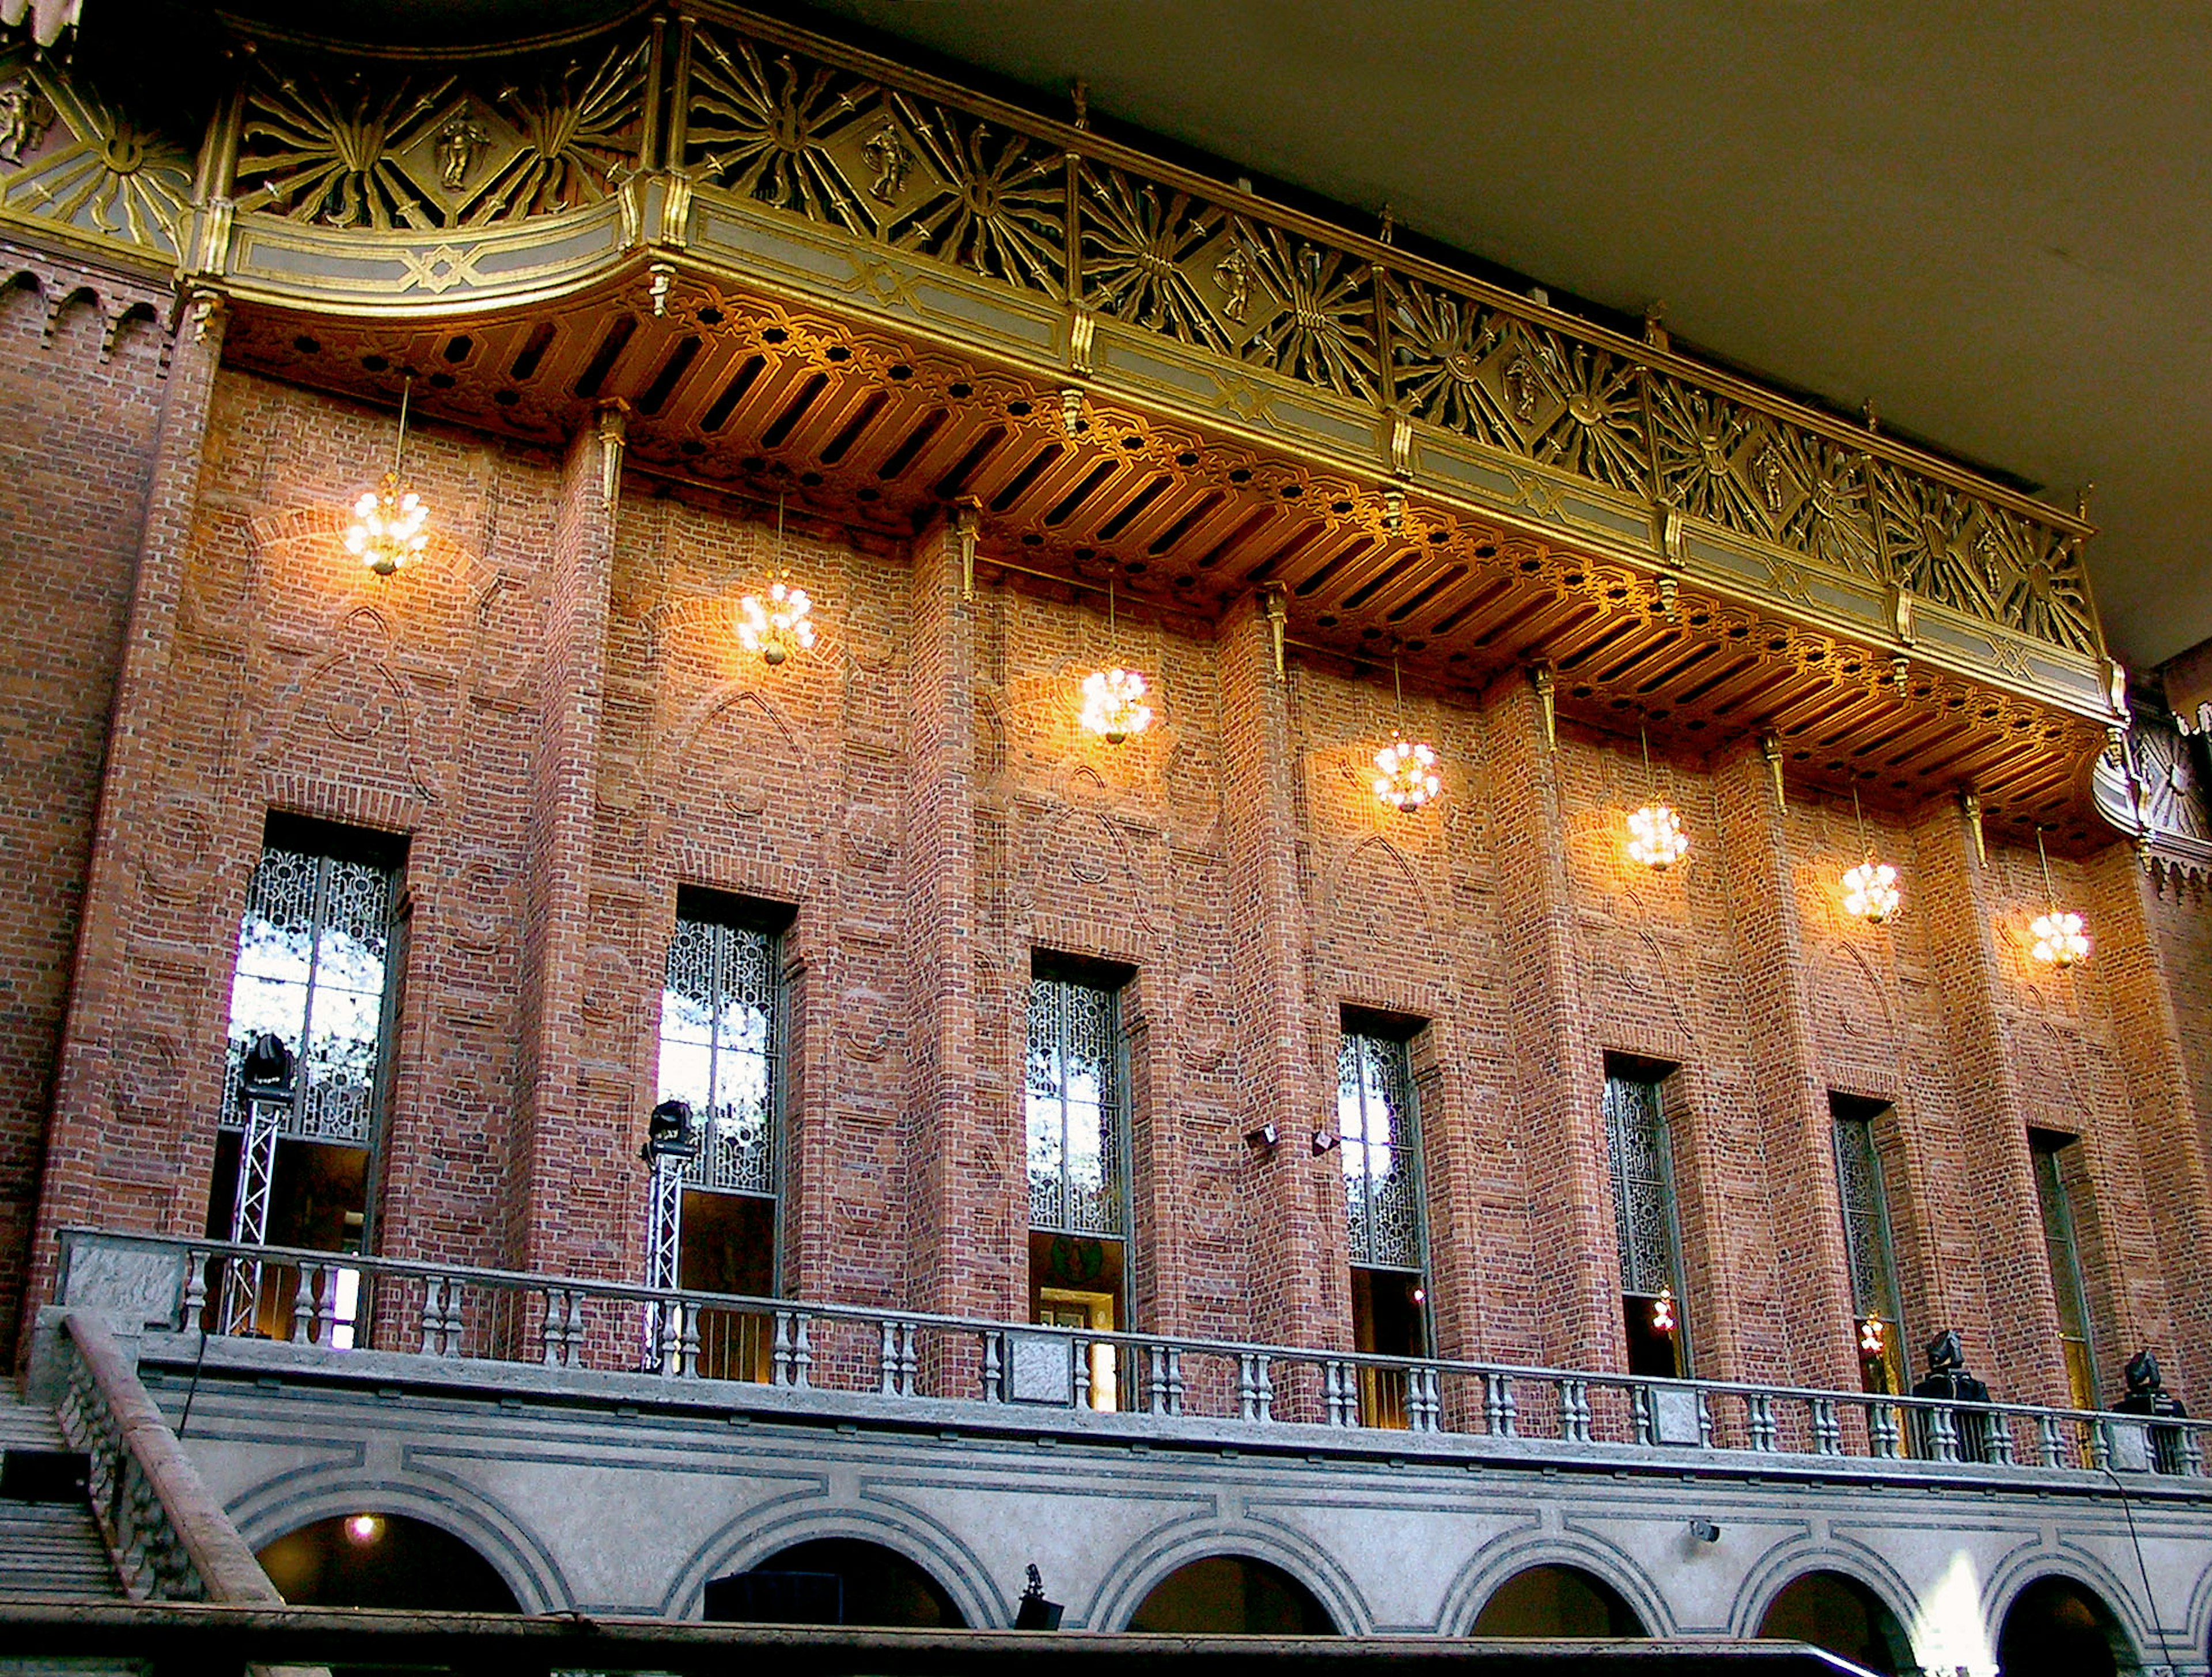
(2173, 1150)
(967, 1222)
(2015, 1345)
(1301, 1289)
(574, 1193)
(1561, 1068)
(1787, 1083)
(168, 1198)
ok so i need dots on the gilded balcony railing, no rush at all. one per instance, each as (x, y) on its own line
(398, 183)
(457, 1314)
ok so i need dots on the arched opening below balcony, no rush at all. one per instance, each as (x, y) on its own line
(1557, 1602)
(2058, 1628)
(1232, 1595)
(368, 1559)
(1838, 1613)
(834, 1581)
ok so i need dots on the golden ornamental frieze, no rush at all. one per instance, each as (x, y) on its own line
(74, 167)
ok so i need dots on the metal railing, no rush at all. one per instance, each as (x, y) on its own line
(457, 1312)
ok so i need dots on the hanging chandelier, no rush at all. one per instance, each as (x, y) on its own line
(1870, 889)
(1405, 776)
(1113, 700)
(1655, 837)
(2061, 939)
(782, 624)
(387, 532)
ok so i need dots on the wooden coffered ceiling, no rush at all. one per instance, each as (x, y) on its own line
(734, 391)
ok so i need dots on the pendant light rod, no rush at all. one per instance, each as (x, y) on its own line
(399, 442)
(2050, 895)
(1859, 816)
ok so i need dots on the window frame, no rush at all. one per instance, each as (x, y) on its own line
(1635, 1070)
(1844, 1110)
(1112, 981)
(770, 922)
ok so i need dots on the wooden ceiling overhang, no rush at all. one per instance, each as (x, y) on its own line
(807, 272)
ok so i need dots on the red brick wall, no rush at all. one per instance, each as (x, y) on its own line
(81, 366)
(554, 709)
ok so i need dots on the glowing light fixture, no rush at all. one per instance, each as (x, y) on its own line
(1663, 1311)
(1870, 889)
(1405, 776)
(2060, 937)
(1114, 705)
(364, 1527)
(782, 624)
(1655, 837)
(387, 532)
(1874, 1336)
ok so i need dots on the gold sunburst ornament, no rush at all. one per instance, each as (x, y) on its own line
(1870, 889)
(386, 532)
(2061, 939)
(1114, 699)
(1406, 770)
(782, 623)
(1655, 837)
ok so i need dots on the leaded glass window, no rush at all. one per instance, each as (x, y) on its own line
(1642, 1187)
(2063, 1248)
(719, 1050)
(314, 969)
(1380, 1146)
(1866, 1221)
(1076, 1109)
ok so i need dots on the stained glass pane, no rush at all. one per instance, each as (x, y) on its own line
(1380, 1151)
(1075, 1112)
(718, 1051)
(313, 965)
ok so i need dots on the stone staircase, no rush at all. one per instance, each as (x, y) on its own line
(49, 1551)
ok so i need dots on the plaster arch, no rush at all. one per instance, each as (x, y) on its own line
(1517, 1552)
(2012, 1579)
(745, 1541)
(1783, 1565)
(1150, 1562)
(2198, 1617)
(516, 1552)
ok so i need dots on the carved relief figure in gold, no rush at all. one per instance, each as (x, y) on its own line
(887, 155)
(25, 115)
(1234, 271)
(460, 141)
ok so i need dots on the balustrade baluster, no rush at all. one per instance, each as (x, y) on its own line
(1942, 1434)
(326, 1305)
(1080, 1349)
(1174, 1380)
(2192, 1455)
(1574, 1412)
(1758, 1420)
(689, 1314)
(1156, 1378)
(1647, 1429)
(1500, 1413)
(906, 1359)
(994, 1368)
(303, 1304)
(1828, 1431)
(433, 1290)
(452, 1325)
(2050, 1440)
(1997, 1429)
(887, 1384)
(1423, 1405)
(195, 1263)
(556, 1304)
(802, 1350)
(1882, 1431)
(1266, 1387)
(2100, 1446)
(780, 1351)
(1335, 1377)
(1705, 1420)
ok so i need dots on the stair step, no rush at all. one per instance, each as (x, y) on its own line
(49, 1551)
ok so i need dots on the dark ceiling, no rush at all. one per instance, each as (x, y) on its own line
(1991, 221)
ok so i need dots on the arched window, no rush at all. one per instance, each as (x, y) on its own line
(369, 1559)
(1232, 1596)
(2058, 1628)
(1839, 1613)
(1557, 1602)
(834, 1581)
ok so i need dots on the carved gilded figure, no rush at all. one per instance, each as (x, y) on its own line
(460, 142)
(25, 115)
(1234, 271)
(887, 155)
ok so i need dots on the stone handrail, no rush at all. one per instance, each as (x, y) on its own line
(451, 1313)
(170, 1538)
